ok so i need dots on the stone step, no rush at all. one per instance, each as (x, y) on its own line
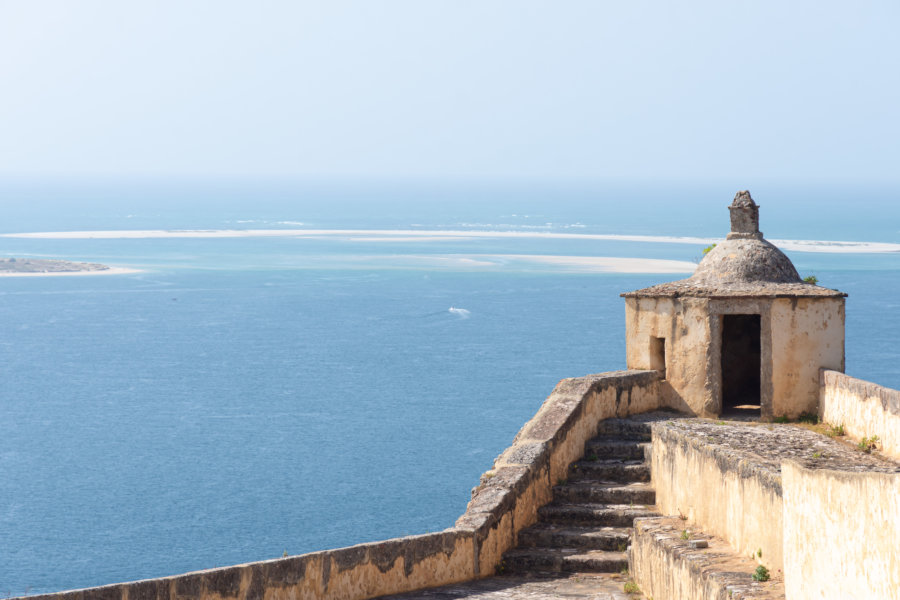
(548, 535)
(532, 560)
(603, 492)
(624, 429)
(602, 448)
(596, 515)
(610, 470)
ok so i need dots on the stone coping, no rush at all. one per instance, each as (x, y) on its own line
(659, 551)
(760, 448)
(761, 289)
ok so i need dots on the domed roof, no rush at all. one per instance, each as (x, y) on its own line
(744, 264)
(745, 261)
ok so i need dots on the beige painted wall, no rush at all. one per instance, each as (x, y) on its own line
(798, 336)
(864, 409)
(842, 534)
(723, 495)
(684, 324)
(807, 335)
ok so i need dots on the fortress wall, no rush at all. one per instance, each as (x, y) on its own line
(864, 409)
(841, 530)
(729, 497)
(506, 501)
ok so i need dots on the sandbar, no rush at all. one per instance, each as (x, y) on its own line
(393, 235)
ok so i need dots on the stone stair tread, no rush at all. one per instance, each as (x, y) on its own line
(616, 448)
(597, 537)
(608, 485)
(610, 462)
(564, 560)
(593, 514)
(579, 529)
(592, 490)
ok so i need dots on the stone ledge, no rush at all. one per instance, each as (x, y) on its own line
(665, 565)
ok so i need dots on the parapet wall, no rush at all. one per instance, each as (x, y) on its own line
(818, 510)
(504, 503)
(733, 498)
(841, 532)
(864, 409)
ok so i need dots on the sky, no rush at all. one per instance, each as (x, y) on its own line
(421, 89)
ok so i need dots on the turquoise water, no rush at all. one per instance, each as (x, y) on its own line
(242, 397)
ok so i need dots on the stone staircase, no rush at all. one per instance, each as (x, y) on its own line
(588, 525)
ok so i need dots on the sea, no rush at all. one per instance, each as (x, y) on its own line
(242, 396)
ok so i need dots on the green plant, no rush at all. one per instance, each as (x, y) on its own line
(835, 430)
(685, 535)
(760, 574)
(681, 515)
(632, 588)
(781, 419)
(562, 481)
(810, 418)
(720, 422)
(500, 568)
(592, 456)
(284, 554)
(622, 546)
(817, 454)
(759, 553)
(708, 249)
(867, 444)
(812, 279)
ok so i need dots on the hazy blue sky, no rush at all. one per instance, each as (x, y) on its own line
(451, 89)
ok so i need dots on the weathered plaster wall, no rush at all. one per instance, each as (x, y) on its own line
(798, 336)
(863, 408)
(841, 532)
(807, 335)
(729, 497)
(684, 324)
(506, 501)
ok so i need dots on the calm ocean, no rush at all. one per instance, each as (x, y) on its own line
(242, 397)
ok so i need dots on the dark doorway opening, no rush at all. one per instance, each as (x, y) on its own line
(741, 362)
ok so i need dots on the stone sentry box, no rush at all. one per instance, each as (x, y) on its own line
(743, 335)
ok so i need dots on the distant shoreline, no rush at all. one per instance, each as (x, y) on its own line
(42, 267)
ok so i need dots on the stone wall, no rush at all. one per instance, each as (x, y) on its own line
(841, 532)
(727, 495)
(505, 502)
(863, 408)
(818, 510)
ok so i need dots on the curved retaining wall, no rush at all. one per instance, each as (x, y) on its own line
(864, 409)
(505, 502)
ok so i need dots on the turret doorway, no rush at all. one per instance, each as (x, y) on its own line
(741, 365)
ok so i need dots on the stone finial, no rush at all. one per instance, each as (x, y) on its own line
(744, 217)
